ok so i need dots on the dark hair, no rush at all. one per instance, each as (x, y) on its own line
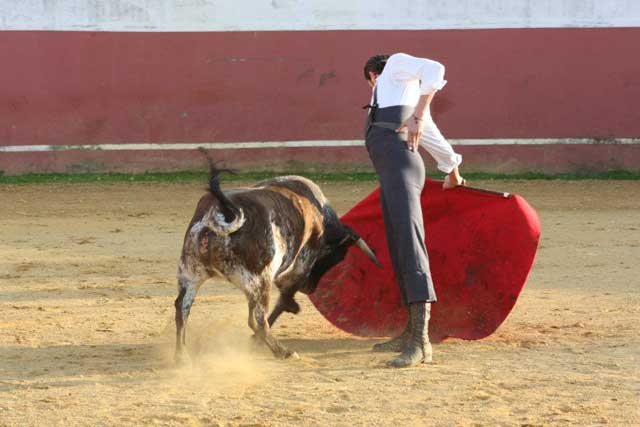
(375, 64)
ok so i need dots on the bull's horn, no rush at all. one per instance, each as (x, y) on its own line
(367, 250)
(219, 226)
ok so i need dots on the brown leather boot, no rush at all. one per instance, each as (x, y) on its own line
(418, 349)
(396, 344)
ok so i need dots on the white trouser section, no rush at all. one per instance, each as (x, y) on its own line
(437, 146)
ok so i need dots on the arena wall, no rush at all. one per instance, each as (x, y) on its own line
(135, 85)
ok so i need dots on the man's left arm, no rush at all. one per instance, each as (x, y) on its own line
(415, 123)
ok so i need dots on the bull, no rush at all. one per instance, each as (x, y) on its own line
(280, 232)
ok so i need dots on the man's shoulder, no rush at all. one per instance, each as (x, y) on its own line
(401, 57)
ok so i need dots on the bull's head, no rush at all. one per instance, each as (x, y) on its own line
(336, 252)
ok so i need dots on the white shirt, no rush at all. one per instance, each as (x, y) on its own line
(405, 78)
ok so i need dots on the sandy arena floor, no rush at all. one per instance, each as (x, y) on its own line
(86, 324)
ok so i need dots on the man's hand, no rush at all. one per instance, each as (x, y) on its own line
(413, 125)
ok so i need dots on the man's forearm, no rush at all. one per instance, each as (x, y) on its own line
(415, 123)
(423, 105)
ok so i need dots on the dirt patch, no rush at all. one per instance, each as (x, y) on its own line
(87, 283)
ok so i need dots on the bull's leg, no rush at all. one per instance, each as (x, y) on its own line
(187, 290)
(285, 303)
(258, 306)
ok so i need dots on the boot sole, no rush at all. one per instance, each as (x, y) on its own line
(426, 360)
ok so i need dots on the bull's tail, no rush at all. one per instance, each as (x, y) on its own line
(231, 217)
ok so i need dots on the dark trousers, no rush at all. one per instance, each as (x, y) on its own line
(401, 174)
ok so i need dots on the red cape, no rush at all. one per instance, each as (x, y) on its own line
(481, 247)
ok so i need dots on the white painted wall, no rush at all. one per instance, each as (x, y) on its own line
(257, 15)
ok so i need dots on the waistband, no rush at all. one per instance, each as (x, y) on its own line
(387, 117)
(390, 117)
(394, 114)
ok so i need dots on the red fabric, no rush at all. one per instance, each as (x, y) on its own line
(481, 247)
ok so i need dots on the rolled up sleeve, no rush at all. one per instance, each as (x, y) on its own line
(432, 78)
(406, 67)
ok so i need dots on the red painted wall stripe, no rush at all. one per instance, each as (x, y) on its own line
(97, 87)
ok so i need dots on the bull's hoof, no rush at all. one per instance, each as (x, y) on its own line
(289, 354)
(182, 359)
